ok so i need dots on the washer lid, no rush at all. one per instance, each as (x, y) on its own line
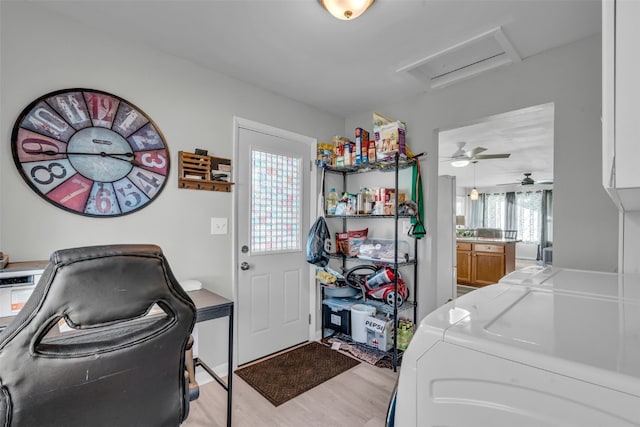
(599, 283)
(572, 332)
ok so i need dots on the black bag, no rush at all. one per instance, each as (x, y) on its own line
(319, 243)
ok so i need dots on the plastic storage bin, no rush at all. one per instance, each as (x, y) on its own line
(359, 315)
(337, 315)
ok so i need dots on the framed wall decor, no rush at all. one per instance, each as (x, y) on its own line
(90, 152)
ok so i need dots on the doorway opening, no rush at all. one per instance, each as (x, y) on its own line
(508, 160)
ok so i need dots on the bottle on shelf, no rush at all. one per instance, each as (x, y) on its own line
(368, 199)
(332, 202)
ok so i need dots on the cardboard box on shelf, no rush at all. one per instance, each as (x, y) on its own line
(362, 146)
(390, 137)
(348, 242)
(379, 332)
(385, 195)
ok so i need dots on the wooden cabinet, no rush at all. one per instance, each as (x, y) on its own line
(481, 263)
(620, 93)
(463, 255)
(488, 264)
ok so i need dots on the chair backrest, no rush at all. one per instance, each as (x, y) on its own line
(510, 234)
(492, 233)
(119, 365)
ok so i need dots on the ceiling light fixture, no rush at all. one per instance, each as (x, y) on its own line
(474, 195)
(346, 9)
(459, 163)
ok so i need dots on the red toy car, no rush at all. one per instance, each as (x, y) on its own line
(378, 284)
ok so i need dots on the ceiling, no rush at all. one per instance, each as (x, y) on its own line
(297, 49)
(526, 134)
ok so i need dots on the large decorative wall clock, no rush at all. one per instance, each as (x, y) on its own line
(90, 152)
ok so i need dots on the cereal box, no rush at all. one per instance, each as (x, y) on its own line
(390, 138)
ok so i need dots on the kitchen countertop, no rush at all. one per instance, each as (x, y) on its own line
(485, 240)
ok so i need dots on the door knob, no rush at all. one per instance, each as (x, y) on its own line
(244, 265)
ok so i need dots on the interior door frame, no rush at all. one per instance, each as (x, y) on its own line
(242, 123)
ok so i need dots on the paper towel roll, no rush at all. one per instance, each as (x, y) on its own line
(191, 285)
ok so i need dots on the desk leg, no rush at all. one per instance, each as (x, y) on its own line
(228, 385)
(230, 367)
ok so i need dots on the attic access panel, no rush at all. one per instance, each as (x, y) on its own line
(466, 59)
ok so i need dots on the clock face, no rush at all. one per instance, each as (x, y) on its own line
(90, 152)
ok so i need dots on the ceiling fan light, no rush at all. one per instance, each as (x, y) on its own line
(459, 163)
(474, 195)
(346, 9)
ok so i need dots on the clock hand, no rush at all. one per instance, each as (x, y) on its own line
(101, 154)
(102, 141)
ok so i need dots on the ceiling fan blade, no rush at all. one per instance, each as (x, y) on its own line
(545, 181)
(475, 151)
(492, 156)
(459, 152)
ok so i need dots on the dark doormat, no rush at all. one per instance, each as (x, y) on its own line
(290, 374)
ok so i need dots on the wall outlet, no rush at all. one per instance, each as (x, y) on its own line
(218, 225)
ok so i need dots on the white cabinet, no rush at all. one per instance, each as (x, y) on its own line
(621, 102)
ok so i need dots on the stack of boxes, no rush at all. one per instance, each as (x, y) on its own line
(389, 139)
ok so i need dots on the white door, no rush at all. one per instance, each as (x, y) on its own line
(273, 219)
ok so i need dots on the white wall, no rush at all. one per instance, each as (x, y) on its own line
(630, 242)
(585, 220)
(42, 52)
(193, 107)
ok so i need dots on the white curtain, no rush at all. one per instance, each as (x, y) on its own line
(476, 218)
(529, 216)
(491, 211)
(494, 209)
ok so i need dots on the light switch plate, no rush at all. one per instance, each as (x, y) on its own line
(218, 225)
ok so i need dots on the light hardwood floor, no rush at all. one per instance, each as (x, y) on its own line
(357, 397)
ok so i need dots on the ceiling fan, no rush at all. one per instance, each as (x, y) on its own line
(461, 158)
(527, 180)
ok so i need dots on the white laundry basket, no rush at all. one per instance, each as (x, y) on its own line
(359, 313)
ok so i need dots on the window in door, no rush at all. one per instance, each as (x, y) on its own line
(276, 187)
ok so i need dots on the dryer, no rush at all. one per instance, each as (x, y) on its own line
(544, 347)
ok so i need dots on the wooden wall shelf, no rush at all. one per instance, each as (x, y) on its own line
(196, 172)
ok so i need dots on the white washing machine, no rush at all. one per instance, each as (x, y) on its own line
(544, 347)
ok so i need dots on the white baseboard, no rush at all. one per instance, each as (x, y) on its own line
(202, 377)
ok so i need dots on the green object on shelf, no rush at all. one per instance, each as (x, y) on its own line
(416, 194)
(405, 333)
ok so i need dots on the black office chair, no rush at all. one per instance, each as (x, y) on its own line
(119, 364)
